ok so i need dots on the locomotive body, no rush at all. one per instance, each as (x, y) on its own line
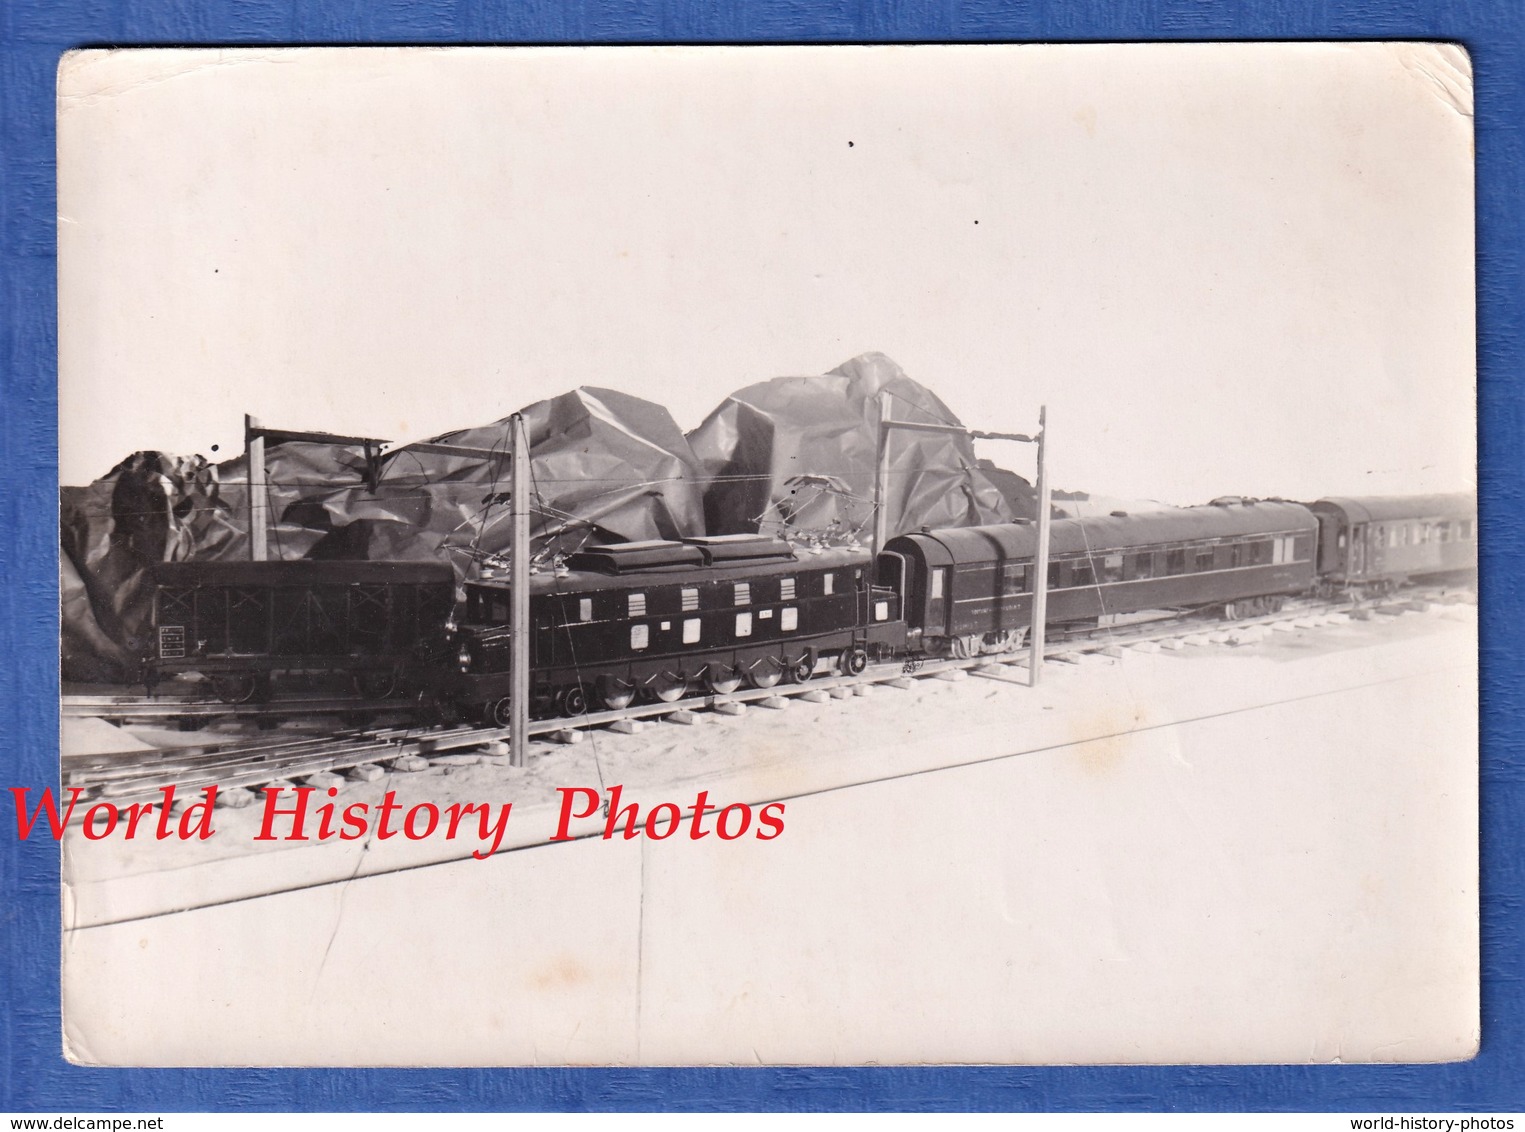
(969, 590)
(657, 618)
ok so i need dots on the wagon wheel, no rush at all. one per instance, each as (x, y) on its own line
(669, 686)
(234, 687)
(498, 713)
(376, 684)
(722, 680)
(854, 661)
(765, 673)
(616, 694)
(572, 701)
(802, 670)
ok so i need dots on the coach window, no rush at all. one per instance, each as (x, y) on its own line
(743, 624)
(1081, 573)
(1204, 559)
(1143, 564)
(1112, 568)
(1443, 531)
(637, 605)
(1175, 561)
(1466, 530)
(742, 595)
(1014, 578)
(939, 581)
(690, 598)
(499, 614)
(1260, 552)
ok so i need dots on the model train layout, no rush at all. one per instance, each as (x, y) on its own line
(611, 624)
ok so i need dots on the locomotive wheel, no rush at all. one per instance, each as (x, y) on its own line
(668, 687)
(616, 694)
(802, 671)
(234, 687)
(854, 661)
(722, 680)
(765, 674)
(572, 701)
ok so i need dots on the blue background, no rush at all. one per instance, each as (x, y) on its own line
(33, 1075)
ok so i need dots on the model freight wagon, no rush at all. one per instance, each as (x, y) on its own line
(243, 624)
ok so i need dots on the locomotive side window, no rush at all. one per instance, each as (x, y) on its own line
(743, 596)
(786, 589)
(789, 619)
(691, 630)
(637, 603)
(828, 584)
(690, 598)
(743, 624)
(640, 636)
(585, 609)
(939, 582)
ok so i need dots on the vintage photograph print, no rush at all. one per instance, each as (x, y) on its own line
(786, 556)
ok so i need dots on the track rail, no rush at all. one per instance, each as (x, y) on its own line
(235, 765)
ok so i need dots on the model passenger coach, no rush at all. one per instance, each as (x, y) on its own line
(968, 590)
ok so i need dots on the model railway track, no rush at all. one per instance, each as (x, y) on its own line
(240, 767)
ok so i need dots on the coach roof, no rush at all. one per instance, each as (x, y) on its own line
(1116, 532)
(1384, 508)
